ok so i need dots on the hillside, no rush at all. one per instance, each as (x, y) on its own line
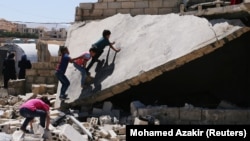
(6, 25)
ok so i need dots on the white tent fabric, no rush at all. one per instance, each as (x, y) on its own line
(31, 51)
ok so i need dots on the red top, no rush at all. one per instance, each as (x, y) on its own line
(34, 104)
(235, 2)
(84, 59)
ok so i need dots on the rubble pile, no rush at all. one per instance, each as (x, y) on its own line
(105, 123)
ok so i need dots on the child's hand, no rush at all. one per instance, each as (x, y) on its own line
(118, 49)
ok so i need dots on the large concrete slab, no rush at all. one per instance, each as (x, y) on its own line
(150, 45)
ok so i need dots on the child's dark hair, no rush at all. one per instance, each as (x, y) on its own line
(62, 49)
(93, 49)
(45, 100)
(105, 33)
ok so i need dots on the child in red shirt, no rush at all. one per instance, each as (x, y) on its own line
(81, 61)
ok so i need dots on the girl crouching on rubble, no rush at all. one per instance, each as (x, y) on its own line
(32, 108)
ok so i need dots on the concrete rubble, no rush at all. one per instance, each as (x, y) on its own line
(101, 123)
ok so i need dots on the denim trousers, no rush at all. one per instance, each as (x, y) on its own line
(30, 115)
(83, 72)
(64, 81)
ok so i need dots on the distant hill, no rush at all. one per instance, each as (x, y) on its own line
(11, 26)
(47, 26)
(6, 25)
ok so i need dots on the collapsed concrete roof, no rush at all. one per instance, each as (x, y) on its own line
(150, 45)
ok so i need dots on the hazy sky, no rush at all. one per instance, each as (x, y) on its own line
(40, 10)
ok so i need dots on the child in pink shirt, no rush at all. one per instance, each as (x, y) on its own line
(35, 108)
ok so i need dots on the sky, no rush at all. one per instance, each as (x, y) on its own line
(44, 11)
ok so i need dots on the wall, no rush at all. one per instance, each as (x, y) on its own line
(42, 72)
(106, 8)
(196, 115)
(40, 79)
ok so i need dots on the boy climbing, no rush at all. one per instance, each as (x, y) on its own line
(100, 45)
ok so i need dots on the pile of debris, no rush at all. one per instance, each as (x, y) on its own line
(105, 123)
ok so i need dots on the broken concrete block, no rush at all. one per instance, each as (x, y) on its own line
(5, 137)
(116, 113)
(8, 114)
(85, 137)
(108, 126)
(32, 137)
(17, 136)
(103, 139)
(13, 129)
(55, 135)
(3, 93)
(107, 106)
(43, 89)
(69, 133)
(38, 129)
(104, 133)
(121, 137)
(93, 121)
(3, 102)
(35, 89)
(97, 111)
(47, 135)
(137, 121)
(105, 119)
(112, 135)
(120, 130)
(54, 112)
(5, 128)
(86, 125)
(4, 120)
(134, 107)
(13, 100)
(27, 96)
(51, 89)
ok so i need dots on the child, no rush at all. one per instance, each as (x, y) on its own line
(32, 108)
(99, 47)
(81, 61)
(61, 69)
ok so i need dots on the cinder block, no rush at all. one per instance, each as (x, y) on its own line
(128, 4)
(97, 111)
(5, 128)
(69, 133)
(190, 114)
(112, 134)
(104, 133)
(107, 106)
(93, 121)
(214, 115)
(4, 93)
(17, 136)
(35, 89)
(137, 121)
(38, 129)
(31, 72)
(43, 89)
(134, 106)
(121, 130)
